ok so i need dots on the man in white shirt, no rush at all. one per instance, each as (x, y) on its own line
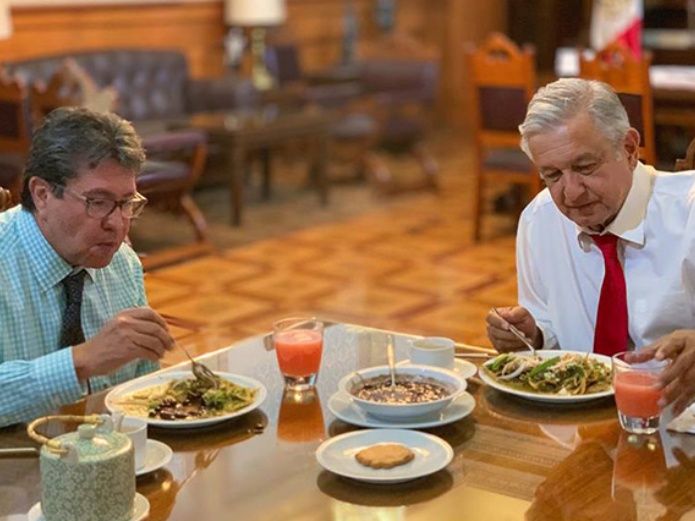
(578, 135)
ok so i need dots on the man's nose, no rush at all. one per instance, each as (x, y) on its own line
(574, 188)
(116, 221)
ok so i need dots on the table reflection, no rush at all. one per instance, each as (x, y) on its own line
(300, 418)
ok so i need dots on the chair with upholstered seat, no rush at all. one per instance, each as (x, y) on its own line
(688, 162)
(629, 76)
(502, 81)
(15, 132)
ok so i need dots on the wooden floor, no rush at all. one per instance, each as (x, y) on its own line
(411, 267)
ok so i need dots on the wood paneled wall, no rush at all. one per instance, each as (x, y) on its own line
(197, 28)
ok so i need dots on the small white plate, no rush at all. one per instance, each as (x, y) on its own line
(116, 393)
(157, 455)
(338, 455)
(463, 368)
(548, 397)
(342, 408)
(141, 509)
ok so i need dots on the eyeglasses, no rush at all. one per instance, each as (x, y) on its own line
(102, 207)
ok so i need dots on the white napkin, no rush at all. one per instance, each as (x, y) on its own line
(683, 423)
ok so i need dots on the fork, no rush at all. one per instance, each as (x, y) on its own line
(521, 336)
(201, 371)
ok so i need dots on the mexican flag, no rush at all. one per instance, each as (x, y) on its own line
(617, 20)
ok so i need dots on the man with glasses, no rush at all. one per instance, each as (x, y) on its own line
(73, 310)
(605, 255)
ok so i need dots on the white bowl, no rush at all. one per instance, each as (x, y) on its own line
(399, 411)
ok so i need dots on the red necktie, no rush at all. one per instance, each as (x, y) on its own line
(611, 334)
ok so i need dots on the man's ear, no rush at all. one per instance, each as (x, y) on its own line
(631, 146)
(40, 190)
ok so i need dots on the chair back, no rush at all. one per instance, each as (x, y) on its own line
(688, 162)
(15, 122)
(62, 90)
(502, 80)
(629, 76)
(282, 60)
(6, 200)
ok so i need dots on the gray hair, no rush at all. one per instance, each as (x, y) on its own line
(557, 103)
(70, 138)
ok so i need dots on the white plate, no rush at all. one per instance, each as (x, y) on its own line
(157, 455)
(544, 397)
(344, 409)
(141, 509)
(338, 455)
(157, 379)
(463, 368)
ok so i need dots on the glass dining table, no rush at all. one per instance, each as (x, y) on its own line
(513, 459)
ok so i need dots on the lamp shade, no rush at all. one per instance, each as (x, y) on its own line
(254, 13)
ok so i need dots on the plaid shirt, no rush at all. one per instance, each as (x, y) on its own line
(36, 375)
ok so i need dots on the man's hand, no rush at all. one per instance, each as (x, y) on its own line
(134, 333)
(504, 340)
(678, 379)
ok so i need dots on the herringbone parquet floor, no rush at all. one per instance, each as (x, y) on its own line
(410, 266)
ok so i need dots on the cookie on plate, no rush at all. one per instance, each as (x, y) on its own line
(385, 455)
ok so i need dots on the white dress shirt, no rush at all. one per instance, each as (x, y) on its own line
(560, 269)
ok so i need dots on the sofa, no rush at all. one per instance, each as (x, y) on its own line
(151, 84)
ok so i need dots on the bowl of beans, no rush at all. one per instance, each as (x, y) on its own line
(419, 390)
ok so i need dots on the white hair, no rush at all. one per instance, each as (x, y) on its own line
(557, 103)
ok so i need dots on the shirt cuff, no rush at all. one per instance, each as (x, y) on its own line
(56, 374)
(549, 338)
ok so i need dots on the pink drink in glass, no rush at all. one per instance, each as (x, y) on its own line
(298, 345)
(637, 393)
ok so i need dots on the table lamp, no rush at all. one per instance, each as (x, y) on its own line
(258, 15)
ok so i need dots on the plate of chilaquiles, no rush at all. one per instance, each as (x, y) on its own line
(180, 400)
(553, 376)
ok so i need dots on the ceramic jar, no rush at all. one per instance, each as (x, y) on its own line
(88, 475)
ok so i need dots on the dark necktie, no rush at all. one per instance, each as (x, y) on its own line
(611, 334)
(71, 334)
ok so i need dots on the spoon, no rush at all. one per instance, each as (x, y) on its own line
(391, 360)
(516, 332)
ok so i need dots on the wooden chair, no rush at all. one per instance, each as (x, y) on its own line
(15, 132)
(6, 199)
(688, 162)
(502, 81)
(629, 77)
